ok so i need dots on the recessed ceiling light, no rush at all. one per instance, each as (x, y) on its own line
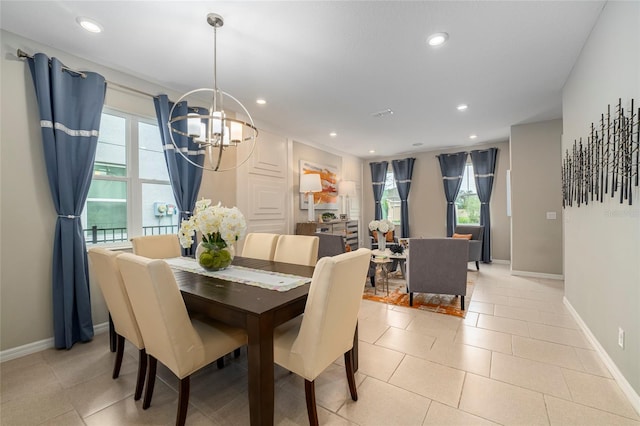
(333, 134)
(261, 101)
(437, 39)
(473, 136)
(462, 107)
(372, 151)
(89, 24)
(418, 144)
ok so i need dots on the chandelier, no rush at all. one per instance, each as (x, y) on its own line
(214, 131)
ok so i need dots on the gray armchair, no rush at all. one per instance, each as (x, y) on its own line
(437, 265)
(475, 244)
(330, 245)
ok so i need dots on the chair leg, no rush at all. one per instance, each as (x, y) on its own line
(351, 378)
(183, 401)
(312, 412)
(220, 363)
(236, 353)
(411, 299)
(151, 381)
(119, 354)
(142, 370)
(477, 265)
(462, 302)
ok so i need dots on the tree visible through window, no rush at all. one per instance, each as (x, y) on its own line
(467, 202)
(390, 201)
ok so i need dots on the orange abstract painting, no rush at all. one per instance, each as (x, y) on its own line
(328, 198)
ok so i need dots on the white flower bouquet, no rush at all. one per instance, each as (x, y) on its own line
(218, 225)
(383, 225)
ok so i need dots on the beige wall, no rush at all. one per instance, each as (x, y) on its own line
(536, 242)
(427, 204)
(602, 240)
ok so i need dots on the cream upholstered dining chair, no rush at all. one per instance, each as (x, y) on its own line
(105, 269)
(182, 344)
(298, 249)
(308, 344)
(258, 245)
(157, 246)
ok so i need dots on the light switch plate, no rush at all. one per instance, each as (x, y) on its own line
(551, 215)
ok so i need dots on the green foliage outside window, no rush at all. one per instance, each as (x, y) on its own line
(468, 208)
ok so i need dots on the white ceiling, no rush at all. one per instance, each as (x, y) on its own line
(327, 66)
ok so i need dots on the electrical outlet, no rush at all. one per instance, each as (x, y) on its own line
(621, 337)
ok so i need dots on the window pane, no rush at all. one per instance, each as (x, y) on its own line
(391, 202)
(467, 202)
(111, 155)
(159, 212)
(151, 155)
(105, 212)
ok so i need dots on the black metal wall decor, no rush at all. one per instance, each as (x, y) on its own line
(607, 164)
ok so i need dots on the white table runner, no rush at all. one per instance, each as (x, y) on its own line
(239, 274)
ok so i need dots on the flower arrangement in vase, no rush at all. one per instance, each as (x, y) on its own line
(381, 227)
(220, 228)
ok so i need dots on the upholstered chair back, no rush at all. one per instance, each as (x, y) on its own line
(297, 249)
(260, 245)
(330, 245)
(105, 269)
(162, 316)
(331, 312)
(157, 246)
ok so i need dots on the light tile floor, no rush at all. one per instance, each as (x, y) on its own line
(517, 358)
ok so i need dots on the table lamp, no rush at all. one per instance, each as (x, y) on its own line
(310, 183)
(346, 189)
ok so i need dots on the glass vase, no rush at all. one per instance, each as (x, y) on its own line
(212, 257)
(382, 241)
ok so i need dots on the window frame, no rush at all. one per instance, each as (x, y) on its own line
(134, 182)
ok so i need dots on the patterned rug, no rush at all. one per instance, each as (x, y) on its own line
(440, 303)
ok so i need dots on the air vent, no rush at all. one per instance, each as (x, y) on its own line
(382, 113)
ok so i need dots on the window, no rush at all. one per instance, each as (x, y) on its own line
(467, 202)
(130, 192)
(391, 201)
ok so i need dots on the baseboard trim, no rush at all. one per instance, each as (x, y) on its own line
(537, 275)
(501, 261)
(41, 345)
(628, 391)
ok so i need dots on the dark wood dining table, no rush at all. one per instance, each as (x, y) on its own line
(258, 311)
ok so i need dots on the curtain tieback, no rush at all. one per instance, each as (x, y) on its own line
(68, 216)
(450, 202)
(484, 203)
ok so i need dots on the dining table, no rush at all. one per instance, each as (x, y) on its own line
(257, 310)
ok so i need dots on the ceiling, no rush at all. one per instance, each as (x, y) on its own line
(328, 66)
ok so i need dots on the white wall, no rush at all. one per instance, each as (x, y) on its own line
(602, 240)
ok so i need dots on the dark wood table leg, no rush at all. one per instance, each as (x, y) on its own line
(112, 336)
(260, 361)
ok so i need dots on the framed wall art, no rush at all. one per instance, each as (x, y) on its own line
(328, 198)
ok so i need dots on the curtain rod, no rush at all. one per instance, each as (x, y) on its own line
(22, 54)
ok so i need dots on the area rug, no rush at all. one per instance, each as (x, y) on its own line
(439, 303)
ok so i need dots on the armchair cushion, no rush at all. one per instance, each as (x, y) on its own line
(462, 236)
